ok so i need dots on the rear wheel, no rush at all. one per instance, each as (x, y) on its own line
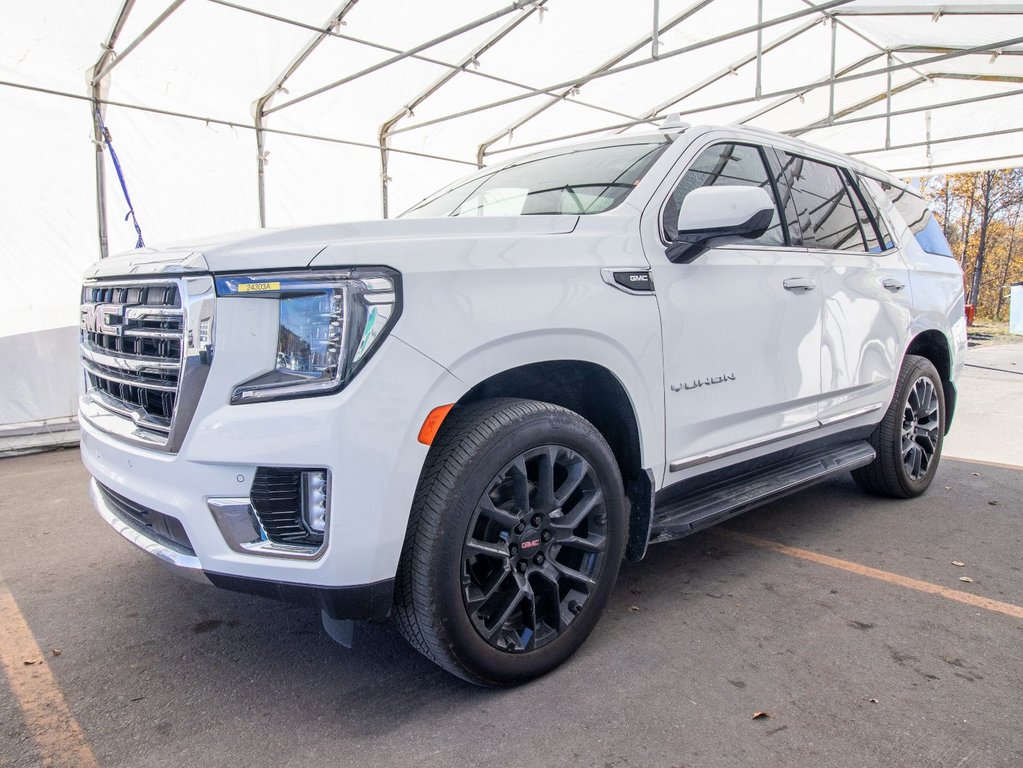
(908, 440)
(517, 532)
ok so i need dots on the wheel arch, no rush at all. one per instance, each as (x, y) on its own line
(596, 394)
(934, 345)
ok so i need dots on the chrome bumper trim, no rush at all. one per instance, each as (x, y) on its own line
(185, 565)
(241, 530)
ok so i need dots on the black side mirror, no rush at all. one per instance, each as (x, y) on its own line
(711, 212)
(687, 246)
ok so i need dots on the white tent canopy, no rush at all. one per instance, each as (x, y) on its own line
(232, 114)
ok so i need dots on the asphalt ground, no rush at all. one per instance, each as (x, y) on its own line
(842, 617)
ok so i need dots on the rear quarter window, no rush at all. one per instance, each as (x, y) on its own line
(918, 217)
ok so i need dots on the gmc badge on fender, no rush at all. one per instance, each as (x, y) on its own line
(634, 281)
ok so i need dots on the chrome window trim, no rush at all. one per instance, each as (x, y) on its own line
(677, 179)
(692, 461)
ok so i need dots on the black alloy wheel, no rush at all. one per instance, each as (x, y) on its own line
(514, 542)
(534, 548)
(908, 439)
(921, 421)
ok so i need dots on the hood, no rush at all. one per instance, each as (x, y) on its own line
(295, 248)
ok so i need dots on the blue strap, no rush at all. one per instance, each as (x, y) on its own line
(120, 177)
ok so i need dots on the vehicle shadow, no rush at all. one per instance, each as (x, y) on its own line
(178, 641)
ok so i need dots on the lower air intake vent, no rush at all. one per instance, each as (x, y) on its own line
(276, 498)
(162, 528)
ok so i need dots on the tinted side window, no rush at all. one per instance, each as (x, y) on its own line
(864, 188)
(725, 165)
(825, 209)
(866, 223)
(919, 219)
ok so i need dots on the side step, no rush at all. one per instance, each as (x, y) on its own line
(709, 506)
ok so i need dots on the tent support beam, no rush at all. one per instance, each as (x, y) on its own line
(931, 141)
(901, 49)
(964, 163)
(820, 83)
(96, 98)
(554, 98)
(831, 85)
(888, 93)
(259, 107)
(936, 11)
(731, 69)
(138, 40)
(797, 90)
(851, 29)
(916, 110)
(835, 117)
(655, 32)
(760, 50)
(515, 6)
(634, 64)
(228, 123)
(391, 49)
(887, 107)
(384, 133)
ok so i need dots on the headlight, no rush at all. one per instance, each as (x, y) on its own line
(330, 323)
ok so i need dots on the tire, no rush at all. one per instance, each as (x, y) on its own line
(909, 438)
(515, 538)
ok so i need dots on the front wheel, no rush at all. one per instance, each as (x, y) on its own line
(514, 543)
(908, 440)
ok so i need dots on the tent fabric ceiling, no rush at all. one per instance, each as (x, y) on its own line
(192, 89)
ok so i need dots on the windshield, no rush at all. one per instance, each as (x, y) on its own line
(573, 181)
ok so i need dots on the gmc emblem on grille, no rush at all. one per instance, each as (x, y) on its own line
(103, 318)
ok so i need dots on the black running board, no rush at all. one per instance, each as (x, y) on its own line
(709, 506)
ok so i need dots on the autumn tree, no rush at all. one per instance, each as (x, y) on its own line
(980, 216)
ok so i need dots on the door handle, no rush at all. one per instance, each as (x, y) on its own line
(893, 285)
(798, 284)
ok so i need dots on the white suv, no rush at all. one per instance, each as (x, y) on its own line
(466, 417)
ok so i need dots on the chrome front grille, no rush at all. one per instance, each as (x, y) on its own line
(131, 349)
(145, 347)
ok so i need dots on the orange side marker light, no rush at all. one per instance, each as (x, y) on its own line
(434, 419)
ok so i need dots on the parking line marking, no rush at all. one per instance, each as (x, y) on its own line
(874, 573)
(56, 733)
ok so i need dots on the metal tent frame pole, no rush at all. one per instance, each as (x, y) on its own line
(96, 99)
(891, 91)
(515, 6)
(469, 59)
(838, 12)
(391, 49)
(731, 69)
(138, 40)
(926, 107)
(481, 150)
(259, 106)
(100, 71)
(929, 142)
(797, 90)
(634, 64)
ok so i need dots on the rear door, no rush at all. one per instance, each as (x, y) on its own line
(741, 324)
(864, 287)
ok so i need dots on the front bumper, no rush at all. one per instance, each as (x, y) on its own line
(186, 564)
(366, 601)
(364, 435)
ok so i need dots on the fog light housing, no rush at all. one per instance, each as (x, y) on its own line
(315, 499)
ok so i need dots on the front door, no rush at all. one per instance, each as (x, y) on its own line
(741, 324)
